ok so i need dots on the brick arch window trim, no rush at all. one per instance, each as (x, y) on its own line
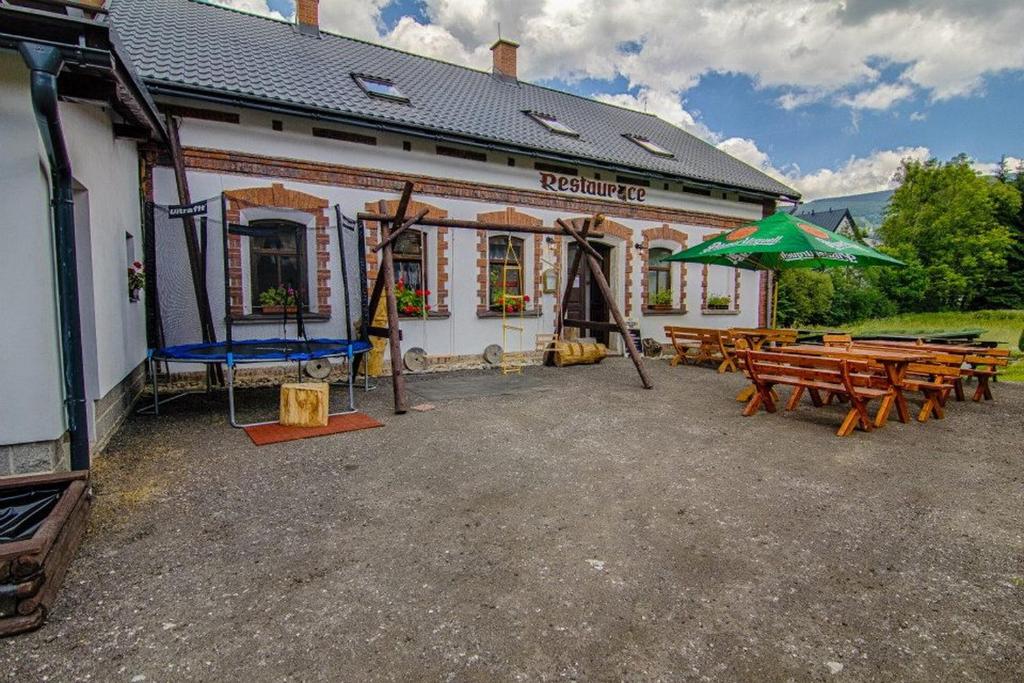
(663, 236)
(735, 306)
(618, 230)
(511, 217)
(441, 290)
(277, 196)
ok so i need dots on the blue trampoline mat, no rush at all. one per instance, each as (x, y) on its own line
(262, 350)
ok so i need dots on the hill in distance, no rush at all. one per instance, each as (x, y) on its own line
(867, 209)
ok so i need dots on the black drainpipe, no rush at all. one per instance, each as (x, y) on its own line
(45, 62)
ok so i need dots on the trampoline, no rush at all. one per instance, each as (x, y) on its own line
(176, 307)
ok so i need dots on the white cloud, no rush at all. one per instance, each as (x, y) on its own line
(255, 7)
(668, 106)
(859, 174)
(812, 49)
(880, 97)
(918, 116)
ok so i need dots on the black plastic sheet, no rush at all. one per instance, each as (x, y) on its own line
(22, 511)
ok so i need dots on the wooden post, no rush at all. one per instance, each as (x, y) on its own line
(597, 273)
(574, 268)
(195, 263)
(388, 271)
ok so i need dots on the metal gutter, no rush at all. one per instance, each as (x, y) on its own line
(274, 106)
(44, 63)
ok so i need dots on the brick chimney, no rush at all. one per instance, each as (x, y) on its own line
(504, 53)
(307, 15)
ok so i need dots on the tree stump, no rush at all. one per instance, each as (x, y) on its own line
(579, 353)
(304, 404)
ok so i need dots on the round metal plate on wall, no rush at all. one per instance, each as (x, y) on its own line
(492, 354)
(415, 359)
(318, 368)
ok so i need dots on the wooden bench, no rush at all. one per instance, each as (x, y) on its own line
(695, 345)
(847, 378)
(977, 362)
(935, 379)
(983, 365)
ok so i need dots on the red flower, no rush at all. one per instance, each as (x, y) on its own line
(137, 264)
(426, 306)
(426, 292)
(409, 309)
(509, 309)
(526, 298)
(419, 292)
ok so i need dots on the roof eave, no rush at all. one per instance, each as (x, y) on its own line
(174, 89)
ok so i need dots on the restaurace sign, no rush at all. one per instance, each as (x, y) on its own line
(553, 182)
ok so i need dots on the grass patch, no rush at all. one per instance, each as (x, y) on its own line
(999, 326)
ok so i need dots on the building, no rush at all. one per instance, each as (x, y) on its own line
(72, 115)
(271, 113)
(834, 220)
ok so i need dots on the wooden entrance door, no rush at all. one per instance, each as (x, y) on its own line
(585, 300)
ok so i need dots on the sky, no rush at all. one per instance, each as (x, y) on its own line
(827, 95)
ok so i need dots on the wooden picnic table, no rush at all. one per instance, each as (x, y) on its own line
(756, 338)
(893, 361)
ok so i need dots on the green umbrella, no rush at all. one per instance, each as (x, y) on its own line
(783, 241)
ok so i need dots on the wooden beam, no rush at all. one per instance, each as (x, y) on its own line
(407, 224)
(471, 225)
(571, 232)
(549, 357)
(590, 325)
(597, 274)
(195, 261)
(394, 336)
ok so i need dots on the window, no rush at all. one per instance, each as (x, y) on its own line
(344, 136)
(457, 153)
(274, 259)
(380, 87)
(555, 168)
(552, 124)
(407, 254)
(659, 277)
(504, 281)
(652, 147)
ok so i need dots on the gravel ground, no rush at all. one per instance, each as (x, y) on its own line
(584, 530)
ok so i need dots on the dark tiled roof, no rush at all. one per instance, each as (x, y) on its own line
(829, 219)
(193, 44)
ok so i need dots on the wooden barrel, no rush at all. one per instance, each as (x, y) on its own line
(579, 353)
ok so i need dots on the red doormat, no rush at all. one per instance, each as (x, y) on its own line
(262, 435)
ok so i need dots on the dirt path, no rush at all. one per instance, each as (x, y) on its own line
(661, 536)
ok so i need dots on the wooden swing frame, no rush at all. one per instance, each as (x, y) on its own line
(579, 230)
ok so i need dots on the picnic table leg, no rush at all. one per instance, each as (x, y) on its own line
(794, 398)
(983, 390)
(884, 409)
(958, 387)
(895, 371)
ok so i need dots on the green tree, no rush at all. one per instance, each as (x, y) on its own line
(805, 297)
(1006, 288)
(954, 223)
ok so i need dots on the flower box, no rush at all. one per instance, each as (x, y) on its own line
(278, 310)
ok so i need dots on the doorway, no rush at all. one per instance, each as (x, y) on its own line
(585, 300)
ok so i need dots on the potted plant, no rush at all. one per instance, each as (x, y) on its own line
(411, 301)
(136, 280)
(503, 299)
(278, 299)
(662, 301)
(719, 302)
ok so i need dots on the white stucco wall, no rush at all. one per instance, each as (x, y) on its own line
(31, 393)
(107, 191)
(463, 332)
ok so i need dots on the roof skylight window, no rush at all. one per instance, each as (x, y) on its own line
(380, 87)
(652, 147)
(552, 124)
